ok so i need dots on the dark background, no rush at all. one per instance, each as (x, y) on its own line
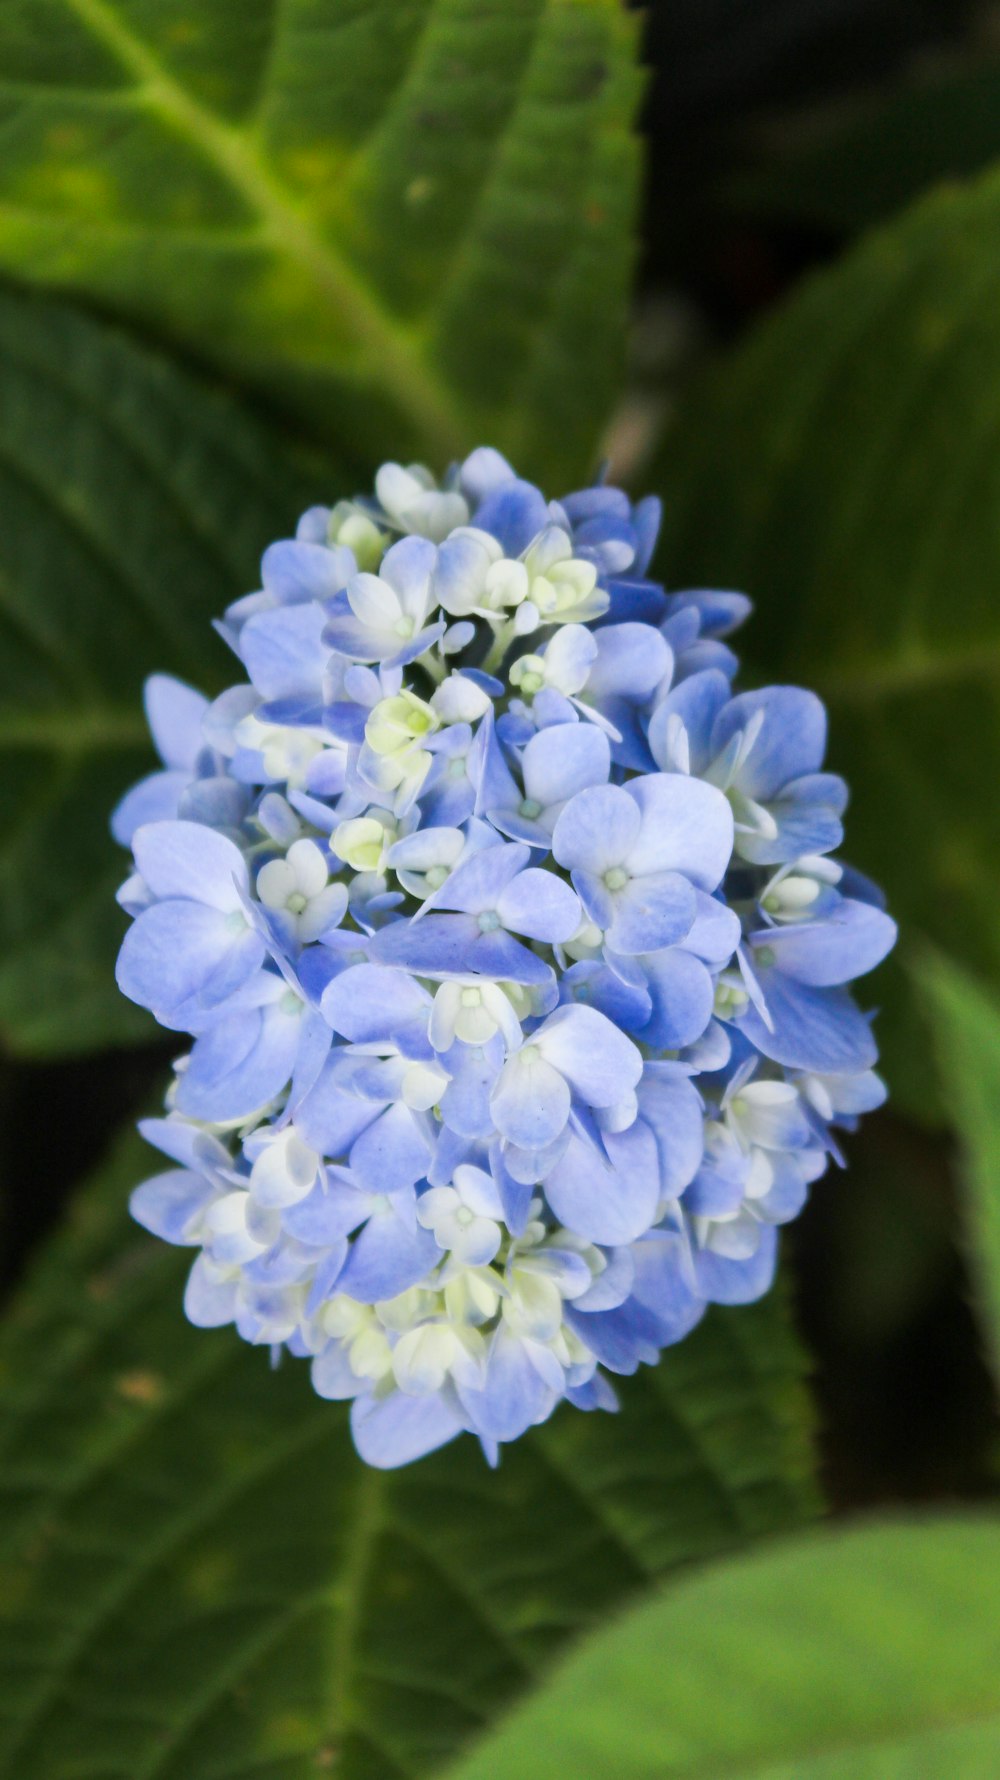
(736, 87)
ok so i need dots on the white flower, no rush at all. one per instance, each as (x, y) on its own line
(298, 892)
(414, 503)
(465, 1217)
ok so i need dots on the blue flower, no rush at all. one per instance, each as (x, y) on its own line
(636, 852)
(517, 974)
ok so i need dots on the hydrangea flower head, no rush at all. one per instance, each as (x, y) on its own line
(513, 950)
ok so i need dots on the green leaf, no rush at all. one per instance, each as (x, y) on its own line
(135, 505)
(869, 1654)
(409, 220)
(844, 467)
(966, 1026)
(857, 164)
(200, 1581)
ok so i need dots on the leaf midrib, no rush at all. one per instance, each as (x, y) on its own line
(393, 360)
(873, 679)
(87, 729)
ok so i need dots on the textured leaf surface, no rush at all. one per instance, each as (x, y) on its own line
(966, 1026)
(409, 219)
(200, 1581)
(863, 1655)
(844, 467)
(135, 505)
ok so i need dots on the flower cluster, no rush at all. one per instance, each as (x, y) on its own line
(513, 951)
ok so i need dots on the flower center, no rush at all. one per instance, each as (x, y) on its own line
(489, 921)
(616, 878)
(472, 998)
(530, 807)
(403, 626)
(296, 903)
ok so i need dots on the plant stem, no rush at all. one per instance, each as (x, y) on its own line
(502, 639)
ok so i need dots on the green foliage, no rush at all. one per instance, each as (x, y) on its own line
(844, 467)
(408, 220)
(199, 1579)
(135, 504)
(866, 158)
(966, 1026)
(865, 1655)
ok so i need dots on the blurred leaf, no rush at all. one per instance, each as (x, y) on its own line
(198, 1578)
(863, 1655)
(716, 67)
(856, 165)
(409, 220)
(844, 467)
(885, 1236)
(135, 504)
(966, 1026)
(717, 58)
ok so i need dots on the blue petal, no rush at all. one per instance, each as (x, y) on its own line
(723, 1281)
(641, 602)
(180, 958)
(293, 571)
(184, 859)
(514, 1396)
(622, 1339)
(154, 799)
(682, 995)
(631, 661)
(671, 1106)
(395, 1430)
(331, 1118)
(372, 1003)
(514, 513)
(697, 702)
(515, 1195)
(596, 985)
(599, 1062)
(538, 904)
(664, 1288)
(387, 1258)
(284, 652)
(175, 713)
(166, 1204)
(597, 829)
(530, 1102)
(208, 1303)
(239, 1065)
(652, 912)
(612, 1201)
(851, 940)
(478, 880)
(465, 1103)
(687, 826)
(792, 740)
(391, 1153)
(333, 1376)
(563, 760)
(815, 1029)
(331, 1211)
